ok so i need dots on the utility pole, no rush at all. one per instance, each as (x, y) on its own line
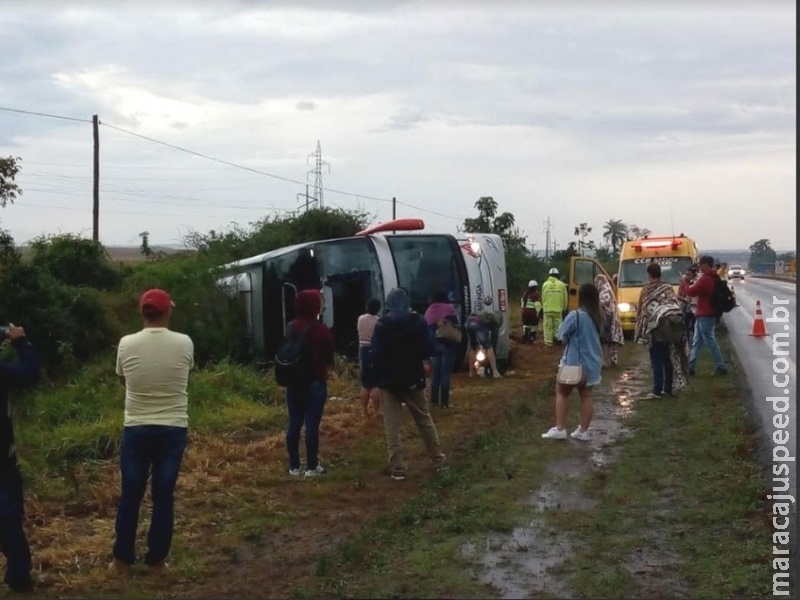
(394, 210)
(317, 171)
(96, 185)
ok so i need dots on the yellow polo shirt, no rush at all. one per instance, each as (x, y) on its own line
(155, 363)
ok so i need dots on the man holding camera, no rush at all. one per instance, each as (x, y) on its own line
(154, 364)
(13, 542)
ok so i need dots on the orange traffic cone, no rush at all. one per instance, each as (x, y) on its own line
(759, 330)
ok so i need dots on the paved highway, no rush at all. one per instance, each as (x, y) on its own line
(756, 356)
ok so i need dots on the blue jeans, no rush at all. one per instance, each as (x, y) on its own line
(662, 368)
(306, 405)
(144, 448)
(442, 364)
(13, 542)
(704, 336)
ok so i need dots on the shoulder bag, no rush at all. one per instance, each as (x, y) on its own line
(572, 374)
(448, 332)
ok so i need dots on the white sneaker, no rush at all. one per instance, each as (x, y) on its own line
(583, 436)
(320, 470)
(554, 433)
(295, 472)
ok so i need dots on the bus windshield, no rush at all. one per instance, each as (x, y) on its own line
(633, 272)
(425, 264)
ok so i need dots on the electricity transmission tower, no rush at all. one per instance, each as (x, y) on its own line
(316, 199)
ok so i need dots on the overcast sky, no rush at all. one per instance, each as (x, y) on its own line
(668, 118)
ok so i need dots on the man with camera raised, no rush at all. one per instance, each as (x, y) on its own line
(13, 542)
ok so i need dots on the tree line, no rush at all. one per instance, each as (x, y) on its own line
(75, 302)
(522, 264)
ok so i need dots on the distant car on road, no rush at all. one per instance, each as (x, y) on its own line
(735, 272)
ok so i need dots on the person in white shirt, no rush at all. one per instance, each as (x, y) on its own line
(369, 386)
(154, 365)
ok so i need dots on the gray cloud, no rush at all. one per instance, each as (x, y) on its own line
(595, 85)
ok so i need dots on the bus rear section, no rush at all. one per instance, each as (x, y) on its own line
(674, 254)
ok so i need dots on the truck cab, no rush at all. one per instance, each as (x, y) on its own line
(675, 254)
(583, 270)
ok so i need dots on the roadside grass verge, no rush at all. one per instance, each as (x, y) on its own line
(679, 513)
(239, 516)
(684, 505)
(415, 550)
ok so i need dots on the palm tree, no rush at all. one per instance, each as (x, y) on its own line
(615, 232)
(635, 232)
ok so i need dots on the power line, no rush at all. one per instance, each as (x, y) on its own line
(230, 163)
(142, 201)
(40, 114)
(287, 179)
(121, 212)
(236, 165)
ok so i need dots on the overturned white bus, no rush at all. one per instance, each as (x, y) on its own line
(349, 271)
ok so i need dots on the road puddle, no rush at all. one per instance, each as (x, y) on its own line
(521, 564)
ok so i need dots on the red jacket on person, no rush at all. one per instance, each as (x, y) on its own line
(320, 339)
(703, 290)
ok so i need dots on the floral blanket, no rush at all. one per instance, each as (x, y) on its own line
(656, 301)
(611, 331)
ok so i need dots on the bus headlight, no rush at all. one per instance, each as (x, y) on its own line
(626, 307)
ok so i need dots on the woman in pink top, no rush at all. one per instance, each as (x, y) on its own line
(369, 385)
(444, 356)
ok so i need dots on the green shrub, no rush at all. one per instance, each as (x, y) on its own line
(67, 324)
(202, 310)
(75, 261)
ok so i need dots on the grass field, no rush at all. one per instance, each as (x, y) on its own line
(677, 509)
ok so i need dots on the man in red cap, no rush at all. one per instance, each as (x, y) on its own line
(154, 364)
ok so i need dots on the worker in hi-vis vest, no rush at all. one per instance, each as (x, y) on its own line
(531, 312)
(554, 303)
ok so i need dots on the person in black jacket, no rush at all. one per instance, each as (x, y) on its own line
(13, 541)
(401, 343)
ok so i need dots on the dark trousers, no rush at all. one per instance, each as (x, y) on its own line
(442, 367)
(13, 542)
(146, 449)
(689, 319)
(662, 368)
(306, 405)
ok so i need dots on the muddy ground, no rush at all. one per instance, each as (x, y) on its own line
(530, 561)
(286, 560)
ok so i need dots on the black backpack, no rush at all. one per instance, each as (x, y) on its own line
(670, 329)
(722, 299)
(402, 364)
(292, 361)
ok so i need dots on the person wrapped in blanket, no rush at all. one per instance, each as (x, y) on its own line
(611, 336)
(660, 325)
(688, 304)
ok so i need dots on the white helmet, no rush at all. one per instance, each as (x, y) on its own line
(533, 283)
(553, 271)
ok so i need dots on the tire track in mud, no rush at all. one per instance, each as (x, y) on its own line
(521, 564)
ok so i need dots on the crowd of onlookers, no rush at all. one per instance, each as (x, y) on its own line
(406, 359)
